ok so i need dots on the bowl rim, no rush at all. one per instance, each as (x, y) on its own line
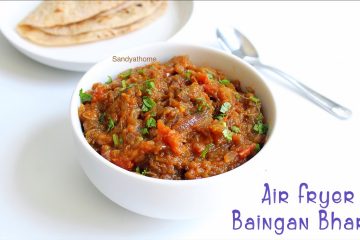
(102, 65)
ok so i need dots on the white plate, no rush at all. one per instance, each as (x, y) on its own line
(82, 57)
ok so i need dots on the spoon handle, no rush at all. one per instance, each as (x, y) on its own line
(330, 106)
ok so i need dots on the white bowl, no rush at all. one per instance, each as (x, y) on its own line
(158, 198)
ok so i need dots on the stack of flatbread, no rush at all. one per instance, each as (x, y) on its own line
(61, 23)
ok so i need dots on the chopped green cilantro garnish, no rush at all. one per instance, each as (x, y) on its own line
(148, 104)
(225, 107)
(144, 108)
(224, 82)
(260, 127)
(144, 172)
(109, 80)
(131, 85)
(117, 140)
(141, 71)
(220, 116)
(257, 147)
(125, 74)
(151, 123)
(200, 107)
(187, 74)
(227, 134)
(149, 85)
(235, 129)
(102, 118)
(144, 131)
(111, 124)
(255, 99)
(206, 150)
(123, 85)
(210, 76)
(260, 117)
(201, 104)
(84, 97)
(153, 114)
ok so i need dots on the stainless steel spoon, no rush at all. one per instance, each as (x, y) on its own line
(236, 43)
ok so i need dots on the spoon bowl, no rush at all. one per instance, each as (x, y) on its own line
(236, 42)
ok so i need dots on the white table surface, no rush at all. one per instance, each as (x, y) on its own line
(44, 194)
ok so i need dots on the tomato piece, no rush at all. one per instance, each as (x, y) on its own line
(117, 158)
(210, 89)
(98, 93)
(202, 78)
(244, 153)
(169, 137)
(128, 165)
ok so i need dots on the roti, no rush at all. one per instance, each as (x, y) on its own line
(38, 36)
(57, 13)
(114, 18)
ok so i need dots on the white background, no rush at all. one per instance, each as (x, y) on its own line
(45, 195)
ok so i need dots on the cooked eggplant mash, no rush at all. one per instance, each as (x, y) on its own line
(173, 120)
